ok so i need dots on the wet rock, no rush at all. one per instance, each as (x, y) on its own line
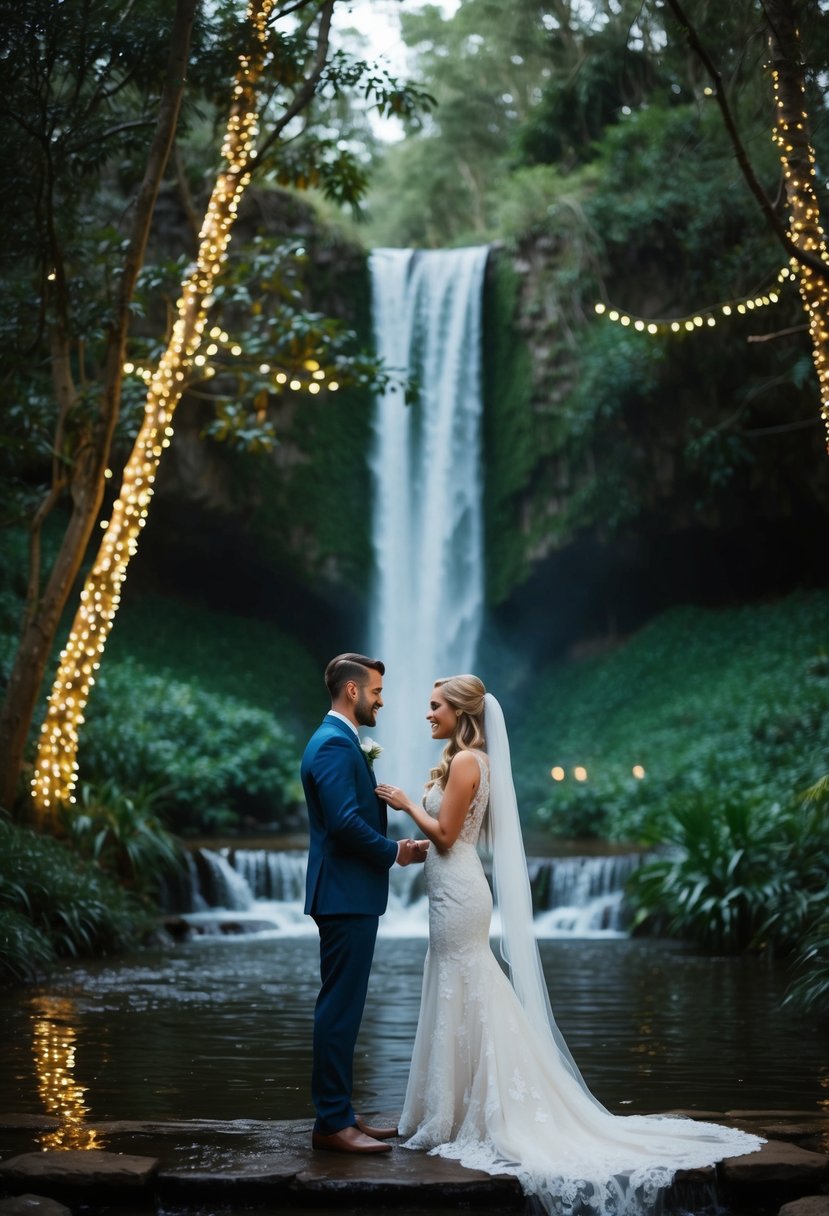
(32, 1205)
(811, 1205)
(35, 1123)
(398, 1175)
(775, 1162)
(793, 1131)
(74, 1169)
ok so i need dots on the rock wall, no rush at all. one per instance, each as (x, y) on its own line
(615, 485)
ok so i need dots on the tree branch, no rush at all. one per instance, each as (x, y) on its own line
(803, 257)
(310, 84)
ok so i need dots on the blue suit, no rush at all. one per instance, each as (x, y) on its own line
(347, 889)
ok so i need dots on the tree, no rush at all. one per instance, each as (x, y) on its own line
(804, 238)
(70, 78)
(289, 45)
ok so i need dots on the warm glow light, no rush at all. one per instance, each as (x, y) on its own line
(797, 157)
(56, 767)
(693, 320)
(638, 772)
(557, 773)
(54, 1054)
(580, 773)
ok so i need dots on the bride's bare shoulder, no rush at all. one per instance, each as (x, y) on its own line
(464, 765)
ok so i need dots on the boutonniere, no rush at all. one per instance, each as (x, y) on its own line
(371, 750)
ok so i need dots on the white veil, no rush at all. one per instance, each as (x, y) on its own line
(512, 891)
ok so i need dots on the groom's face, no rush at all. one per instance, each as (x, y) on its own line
(369, 699)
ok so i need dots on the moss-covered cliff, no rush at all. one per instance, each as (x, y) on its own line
(617, 481)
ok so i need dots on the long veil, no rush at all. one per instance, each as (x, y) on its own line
(513, 897)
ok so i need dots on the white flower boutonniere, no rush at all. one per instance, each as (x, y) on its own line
(371, 750)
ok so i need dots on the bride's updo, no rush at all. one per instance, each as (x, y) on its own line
(466, 696)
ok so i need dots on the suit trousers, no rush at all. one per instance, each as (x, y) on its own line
(346, 953)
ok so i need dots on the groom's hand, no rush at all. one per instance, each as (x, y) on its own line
(409, 851)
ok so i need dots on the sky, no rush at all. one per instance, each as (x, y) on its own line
(379, 23)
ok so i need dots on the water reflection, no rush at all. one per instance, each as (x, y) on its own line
(220, 1029)
(54, 1040)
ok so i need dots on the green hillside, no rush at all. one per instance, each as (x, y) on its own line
(717, 700)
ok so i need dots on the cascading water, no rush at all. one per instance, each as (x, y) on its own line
(426, 464)
(261, 892)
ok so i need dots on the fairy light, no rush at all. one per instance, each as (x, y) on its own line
(797, 158)
(705, 318)
(56, 768)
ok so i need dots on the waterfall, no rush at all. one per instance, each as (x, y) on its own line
(262, 892)
(427, 597)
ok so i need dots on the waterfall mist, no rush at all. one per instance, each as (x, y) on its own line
(427, 600)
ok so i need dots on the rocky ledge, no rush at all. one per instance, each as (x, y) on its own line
(144, 1167)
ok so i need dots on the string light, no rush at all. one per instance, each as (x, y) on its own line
(705, 318)
(797, 157)
(55, 774)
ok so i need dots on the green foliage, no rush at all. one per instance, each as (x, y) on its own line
(53, 904)
(727, 866)
(727, 711)
(123, 834)
(810, 988)
(211, 759)
(247, 660)
(507, 412)
(715, 702)
(25, 951)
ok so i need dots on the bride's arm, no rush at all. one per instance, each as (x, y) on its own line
(461, 785)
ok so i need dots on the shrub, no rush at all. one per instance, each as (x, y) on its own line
(810, 989)
(731, 860)
(25, 951)
(212, 759)
(53, 903)
(720, 876)
(123, 834)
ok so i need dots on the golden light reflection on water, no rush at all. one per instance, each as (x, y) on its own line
(54, 1051)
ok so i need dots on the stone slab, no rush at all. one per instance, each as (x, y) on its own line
(80, 1168)
(775, 1162)
(794, 1131)
(272, 1165)
(810, 1205)
(32, 1205)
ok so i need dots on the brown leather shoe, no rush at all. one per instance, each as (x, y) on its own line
(348, 1140)
(377, 1133)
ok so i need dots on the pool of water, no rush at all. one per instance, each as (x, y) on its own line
(220, 1029)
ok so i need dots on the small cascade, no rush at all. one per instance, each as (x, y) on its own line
(271, 874)
(224, 887)
(581, 896)
(262, 891)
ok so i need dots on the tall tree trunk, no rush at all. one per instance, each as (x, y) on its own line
(803, 238)
(56, 764)
(87, 476)
(797, 155)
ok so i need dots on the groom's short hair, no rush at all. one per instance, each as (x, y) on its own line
(347, 667)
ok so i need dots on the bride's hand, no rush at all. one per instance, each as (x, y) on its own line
(393, 795)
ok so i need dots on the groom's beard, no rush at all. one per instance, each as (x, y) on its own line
(364, 711)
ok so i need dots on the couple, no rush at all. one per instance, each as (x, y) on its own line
(492, 1083)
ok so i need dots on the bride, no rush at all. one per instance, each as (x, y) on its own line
(492, 1083)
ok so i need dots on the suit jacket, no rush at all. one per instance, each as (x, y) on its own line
(349, 854)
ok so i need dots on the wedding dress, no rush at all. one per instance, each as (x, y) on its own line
(492, 1083)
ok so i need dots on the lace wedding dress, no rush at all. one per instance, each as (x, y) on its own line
(491, 1088)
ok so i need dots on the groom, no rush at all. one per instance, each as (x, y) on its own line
(347, 889)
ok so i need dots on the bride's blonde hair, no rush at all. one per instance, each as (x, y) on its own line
(466, 696)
